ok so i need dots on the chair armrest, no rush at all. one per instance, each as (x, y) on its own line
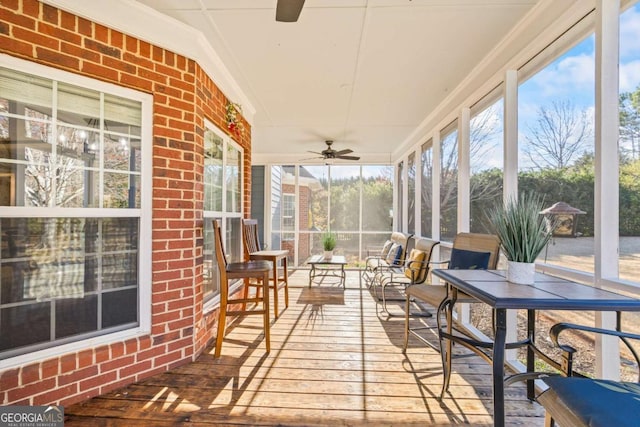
(568, 351)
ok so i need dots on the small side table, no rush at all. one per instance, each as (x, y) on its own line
(328, 265)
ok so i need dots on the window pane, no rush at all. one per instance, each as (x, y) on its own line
(24, 325)
(314, 184)
(411, 196)
(345, 198)
(449, 183)
(377, 198)
(426, 209)
(556, 157)
(119, 307)
(121, 190)
(233, 239)
(486, 164)
(211, 275)
(400, 187)
(78, 106)
(213, 153)
(629, 179)
(233, 179)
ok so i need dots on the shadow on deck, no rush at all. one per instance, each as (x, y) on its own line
(334, 362)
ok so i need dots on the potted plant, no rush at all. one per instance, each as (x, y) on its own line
(523, 234)
(328, 244)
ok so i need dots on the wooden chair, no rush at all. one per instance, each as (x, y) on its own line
(258, 270)
(471, 247)
(578, 400)
(413, 272)
(254, 251)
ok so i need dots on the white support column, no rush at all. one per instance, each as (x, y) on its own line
(606, 165)
(418, 193)
(464, 185)
(435, 187)
(405, 195)
(510, 179)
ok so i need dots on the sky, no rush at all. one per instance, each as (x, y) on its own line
(572, 77)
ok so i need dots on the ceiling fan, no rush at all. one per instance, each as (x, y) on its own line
(288, 10)
(330, 154)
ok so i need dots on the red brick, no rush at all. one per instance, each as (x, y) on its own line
(68, 363)
(36, 38)
(116, 363)
(16, 19)
(117, 39)
(145, 49)
(59, 33)
(10, 4)
(135, 368)
(9, 379)
(23, 392)
(136, 82)
(102, 354)
(68, 21)
(131, 45)
(131, 346)
(30, 374)
(102, 48)
(50, 14)
(117, 350)
(79, 52)
(51, 397)
(85, 358)
(99, 71)
(85, 27)
(57, 58)
(78, 375)
(119, 65)
(96, 381)
(50, 368)
(101, 33)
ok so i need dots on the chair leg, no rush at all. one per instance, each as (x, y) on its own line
(407, 307)
(222, 322)
(445, 350)
(266, 321)
(286, 282)
(548, 420)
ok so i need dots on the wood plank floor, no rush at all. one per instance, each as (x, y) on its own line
(334, 361)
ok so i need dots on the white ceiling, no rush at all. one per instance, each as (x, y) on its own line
(364, 73)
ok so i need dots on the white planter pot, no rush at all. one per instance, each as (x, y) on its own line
(522, 273)
(328, 254)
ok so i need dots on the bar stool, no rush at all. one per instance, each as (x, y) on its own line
(258, 270)
(253, 251)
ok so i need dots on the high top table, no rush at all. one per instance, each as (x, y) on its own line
(492, 288)
(274, 257)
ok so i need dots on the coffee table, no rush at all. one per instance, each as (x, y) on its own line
(321, 266)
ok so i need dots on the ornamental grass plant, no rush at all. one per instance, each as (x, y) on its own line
(522, 230)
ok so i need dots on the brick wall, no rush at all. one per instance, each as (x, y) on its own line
(183, 96)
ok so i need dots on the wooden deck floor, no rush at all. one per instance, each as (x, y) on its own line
(334, 362)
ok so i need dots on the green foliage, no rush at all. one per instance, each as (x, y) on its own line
(522, 231)
(328, 241)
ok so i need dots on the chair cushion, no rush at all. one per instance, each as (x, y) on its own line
(468, 260)
(414, 264)
(395, 254)
(385, 249)
(598, 402)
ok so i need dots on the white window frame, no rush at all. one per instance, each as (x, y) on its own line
(143, 213)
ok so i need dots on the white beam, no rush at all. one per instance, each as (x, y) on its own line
(606, 165)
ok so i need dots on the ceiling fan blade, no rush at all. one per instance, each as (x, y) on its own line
(348, 157)
(314, 152)
(343, 152)
(288, 10)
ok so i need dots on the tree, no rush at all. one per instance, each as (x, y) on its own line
(560, 134)
(630, 123)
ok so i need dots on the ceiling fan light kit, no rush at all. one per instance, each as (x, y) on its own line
(329, 154)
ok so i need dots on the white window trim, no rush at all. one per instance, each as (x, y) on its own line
(144, 213)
